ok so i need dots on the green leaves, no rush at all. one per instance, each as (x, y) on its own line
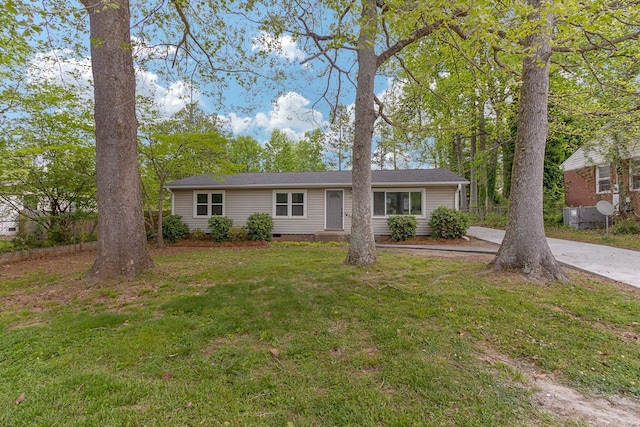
(48, 153)
(282, 154)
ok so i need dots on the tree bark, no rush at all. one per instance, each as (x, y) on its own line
(482, 148)
(362, 249)
(160, 237)
(473, 176)
(457, 143)
(525, 248)
(122, 244)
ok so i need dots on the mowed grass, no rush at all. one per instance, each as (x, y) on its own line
(283, 336)
(596, 236)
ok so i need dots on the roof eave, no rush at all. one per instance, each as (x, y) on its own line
(311, 185)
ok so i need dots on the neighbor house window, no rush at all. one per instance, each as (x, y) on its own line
(289, 203)
(634, 175)
(208, 203)
(387, 203)
(603, 179)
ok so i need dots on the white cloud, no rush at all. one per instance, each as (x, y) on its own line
(283, 46)
(235, 123)
(290, 114)
(60, 67)
(168, 100)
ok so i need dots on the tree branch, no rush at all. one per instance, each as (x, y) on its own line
(415, 36)
(609, 45)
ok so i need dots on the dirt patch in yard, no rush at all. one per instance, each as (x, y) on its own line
(568, 404)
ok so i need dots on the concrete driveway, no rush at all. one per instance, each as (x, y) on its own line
(622, 265)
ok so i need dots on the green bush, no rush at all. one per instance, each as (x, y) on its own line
(173, 229)
(448, 223)
(6, 246)
(626, 226)
(219, 227)
(198, 234)
(238, 234)
(259, 226)
(403, 227)
(59, 235)
(27, 241)
(495, 220)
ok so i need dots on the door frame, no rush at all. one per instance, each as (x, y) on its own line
(326, 207)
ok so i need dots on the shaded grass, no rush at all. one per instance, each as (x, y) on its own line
(270, 336)
(5, 245)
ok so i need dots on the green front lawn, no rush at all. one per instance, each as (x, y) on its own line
(597, 236)
(289, 336)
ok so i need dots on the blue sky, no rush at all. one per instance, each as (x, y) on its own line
(294, 107)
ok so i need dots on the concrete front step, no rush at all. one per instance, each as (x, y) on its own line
(331, 236)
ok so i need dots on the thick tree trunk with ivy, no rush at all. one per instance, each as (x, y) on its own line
(122, 245)
(473, 175)
(362, 249)
(457, 147)
(525, 248)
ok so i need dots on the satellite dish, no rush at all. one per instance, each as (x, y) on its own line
(604, 207)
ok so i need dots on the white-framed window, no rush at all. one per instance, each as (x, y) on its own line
(290, 204)
(634, 174)
(603, 179)
(208, 203)
(398, 202)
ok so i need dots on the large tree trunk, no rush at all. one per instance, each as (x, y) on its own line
(160, 237)
(482, 146)
(525, 247)
(122, 244)
(473, 176)
(457, 143)
(362, 249)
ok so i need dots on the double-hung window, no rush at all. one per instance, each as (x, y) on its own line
(289, 204)
(634, 174)
(603, 179)
(208, 204)
(387, 203)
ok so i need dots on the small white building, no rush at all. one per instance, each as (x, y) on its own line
(9, 216)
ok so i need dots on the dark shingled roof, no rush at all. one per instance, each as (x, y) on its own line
(319, 179)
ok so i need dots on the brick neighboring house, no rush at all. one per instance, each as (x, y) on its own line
(590, 175)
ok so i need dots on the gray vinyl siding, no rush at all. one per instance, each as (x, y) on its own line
(313, 222)
(239, 204)
(435, 197)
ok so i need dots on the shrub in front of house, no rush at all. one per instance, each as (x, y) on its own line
(238, 234)
(626, 226)
(197, 234)
(403, 227)
(448, 223)
(259, 226)
(173, 229)
(219, 227)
